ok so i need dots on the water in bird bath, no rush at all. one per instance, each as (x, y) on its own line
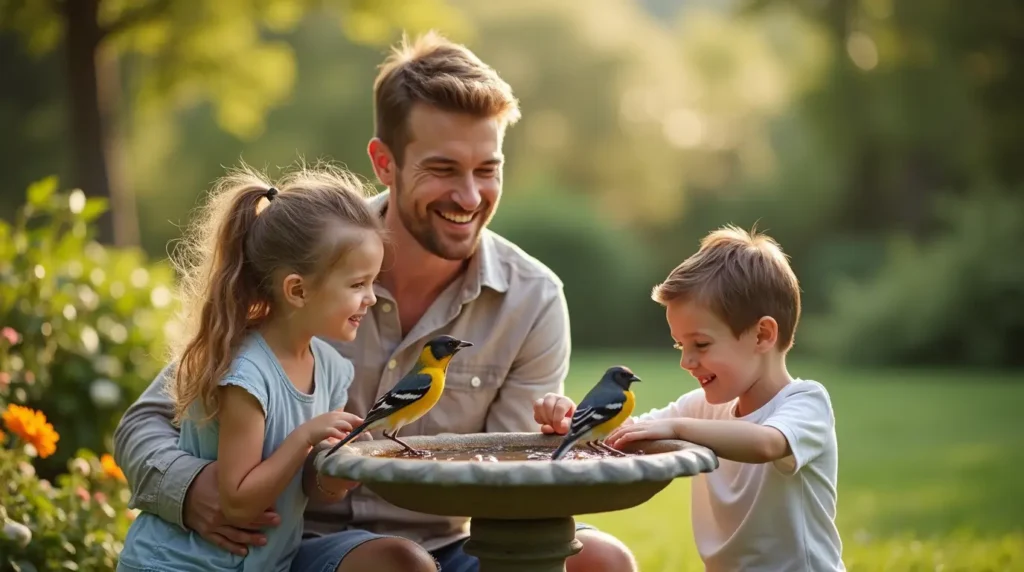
(493, 454)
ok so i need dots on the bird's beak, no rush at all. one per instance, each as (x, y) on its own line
(464, 344)
(634, 378)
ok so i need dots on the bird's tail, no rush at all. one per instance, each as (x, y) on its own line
(355, 433)
(564, 448)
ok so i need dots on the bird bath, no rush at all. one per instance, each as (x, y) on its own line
(520, 503)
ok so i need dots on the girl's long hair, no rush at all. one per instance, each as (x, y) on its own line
(234, 249)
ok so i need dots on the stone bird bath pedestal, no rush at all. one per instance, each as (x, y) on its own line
(521, 504)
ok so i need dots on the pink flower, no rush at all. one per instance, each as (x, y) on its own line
(82, 494)
(10, 335)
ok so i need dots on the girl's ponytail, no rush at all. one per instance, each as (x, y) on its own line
(224, 291)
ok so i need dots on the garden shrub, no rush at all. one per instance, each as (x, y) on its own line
(84, 325)
(77, 523)
(955, 299)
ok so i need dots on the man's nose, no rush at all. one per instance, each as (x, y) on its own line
(467, 195)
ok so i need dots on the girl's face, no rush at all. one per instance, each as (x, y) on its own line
(340, 301)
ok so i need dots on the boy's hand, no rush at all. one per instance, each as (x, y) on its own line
(644, 431)
(554, 413)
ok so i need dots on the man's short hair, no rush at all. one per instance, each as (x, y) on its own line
(741, 277)
(435, 71)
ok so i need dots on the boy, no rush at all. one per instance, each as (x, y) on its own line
(732, 309)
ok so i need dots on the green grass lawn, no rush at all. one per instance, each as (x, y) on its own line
(930, 467)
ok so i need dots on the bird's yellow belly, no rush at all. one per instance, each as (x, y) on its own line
(605, 429)
(411, 413)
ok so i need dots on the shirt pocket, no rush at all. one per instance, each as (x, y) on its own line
(469, 390)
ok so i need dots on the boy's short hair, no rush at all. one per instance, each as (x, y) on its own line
(438, 72)
(741, 277)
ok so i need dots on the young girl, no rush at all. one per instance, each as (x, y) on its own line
(265, 272)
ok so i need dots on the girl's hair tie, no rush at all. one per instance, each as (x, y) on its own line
(271, 193)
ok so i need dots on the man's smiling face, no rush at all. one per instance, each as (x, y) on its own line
(449, 184)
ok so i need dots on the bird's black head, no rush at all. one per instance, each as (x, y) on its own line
(621, 375)
(444, 347)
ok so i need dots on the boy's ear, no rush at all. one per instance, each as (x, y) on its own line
(767, 333)
(294, 290)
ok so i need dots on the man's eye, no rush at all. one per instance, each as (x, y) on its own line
(487, 172)
(443, 171)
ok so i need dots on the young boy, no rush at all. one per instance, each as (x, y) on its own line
(732, 309)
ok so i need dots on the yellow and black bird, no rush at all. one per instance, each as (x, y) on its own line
(602, 410)
(414, 395)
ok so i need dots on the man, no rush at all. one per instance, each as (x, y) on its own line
(441, 116)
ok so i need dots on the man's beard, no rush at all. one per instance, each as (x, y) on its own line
(426, 235)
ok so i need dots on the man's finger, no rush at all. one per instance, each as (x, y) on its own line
(268, 518)
(549, 403)
(561, 409)
(547, 429)
(563, 425)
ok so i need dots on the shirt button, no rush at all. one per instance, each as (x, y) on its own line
(392, 364)
(385, 307)
(475, 382)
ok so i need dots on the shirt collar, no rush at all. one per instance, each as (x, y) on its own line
(485, 268)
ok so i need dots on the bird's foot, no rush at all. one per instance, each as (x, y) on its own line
(607, 448)
(408, 449)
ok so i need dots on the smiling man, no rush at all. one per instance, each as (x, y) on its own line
(440, 119)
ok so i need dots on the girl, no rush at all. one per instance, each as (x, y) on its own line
(265, 271)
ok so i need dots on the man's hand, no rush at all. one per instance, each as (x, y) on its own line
(554, 413)
(203, 514)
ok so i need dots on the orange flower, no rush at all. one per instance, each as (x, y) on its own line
(111, 469)
(31, 427)
(2, 435)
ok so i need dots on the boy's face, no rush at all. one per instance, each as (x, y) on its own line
(724, 365)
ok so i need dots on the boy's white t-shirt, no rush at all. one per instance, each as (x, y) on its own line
(776, 516)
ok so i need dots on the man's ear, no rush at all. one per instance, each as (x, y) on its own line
(767, 333)
(383, 162)
(294, 290)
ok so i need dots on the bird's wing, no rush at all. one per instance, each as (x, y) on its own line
(409, 389)
(595, 409)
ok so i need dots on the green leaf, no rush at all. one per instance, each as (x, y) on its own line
(39, 192)
(94, 207)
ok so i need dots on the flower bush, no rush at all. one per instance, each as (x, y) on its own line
(78, 523)
(83, 327)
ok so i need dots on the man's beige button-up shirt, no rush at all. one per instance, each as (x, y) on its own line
(508, 304)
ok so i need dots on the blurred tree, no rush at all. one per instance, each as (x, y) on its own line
(181, 53)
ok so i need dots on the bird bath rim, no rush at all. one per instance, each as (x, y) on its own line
(661, 461)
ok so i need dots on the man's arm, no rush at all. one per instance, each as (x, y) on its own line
(146, 448)
(540, 368)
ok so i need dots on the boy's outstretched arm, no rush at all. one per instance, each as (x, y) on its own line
(739, 441)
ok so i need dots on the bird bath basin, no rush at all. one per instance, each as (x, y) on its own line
(520, 503)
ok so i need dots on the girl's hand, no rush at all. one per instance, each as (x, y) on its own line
(644, 431)
(554, 413)
(334, 424)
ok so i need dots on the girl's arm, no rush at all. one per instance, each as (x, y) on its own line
(249, 485)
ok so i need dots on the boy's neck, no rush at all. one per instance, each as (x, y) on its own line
(286, 340)
(771, 381)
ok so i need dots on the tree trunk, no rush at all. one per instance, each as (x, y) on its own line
(94, 87)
